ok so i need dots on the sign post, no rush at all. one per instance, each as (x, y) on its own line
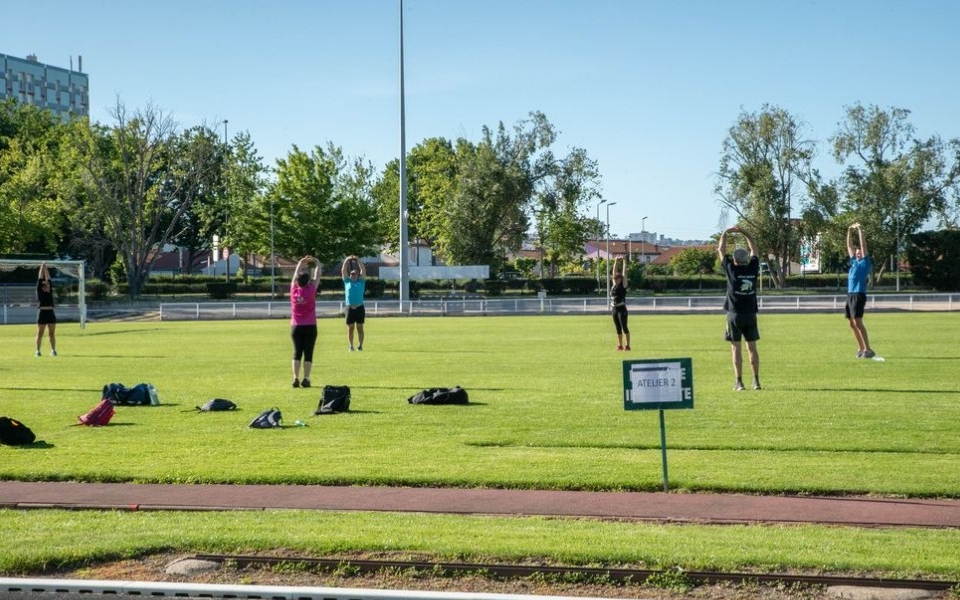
(658, 384)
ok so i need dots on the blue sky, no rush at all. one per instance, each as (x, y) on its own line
(648, 88)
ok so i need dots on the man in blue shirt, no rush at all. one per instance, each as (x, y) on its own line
(860, 267)
(354, 283)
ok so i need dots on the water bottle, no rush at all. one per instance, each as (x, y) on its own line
(299, 423)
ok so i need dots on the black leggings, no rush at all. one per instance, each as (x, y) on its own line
(304, 339)
(620, 320)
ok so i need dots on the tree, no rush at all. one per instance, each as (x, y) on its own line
(323, 205)
(765, 158)
(141, 178)
(694, 261)
(31, 208)
(892, 182)
(244, 215)
(564, 187)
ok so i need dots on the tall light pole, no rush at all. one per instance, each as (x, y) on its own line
(643, 247)
(225, 221)
(404, 291)
(608, 250)
(273, 260)
(599, 226)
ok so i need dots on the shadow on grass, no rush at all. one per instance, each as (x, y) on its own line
(124, 332)
(866, 390)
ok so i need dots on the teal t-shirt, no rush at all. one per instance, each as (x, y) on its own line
(857, 277)
(354, 290)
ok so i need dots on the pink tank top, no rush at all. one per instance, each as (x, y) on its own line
(303, 304)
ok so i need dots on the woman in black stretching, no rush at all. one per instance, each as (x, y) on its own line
(618, 295)
(46, 318)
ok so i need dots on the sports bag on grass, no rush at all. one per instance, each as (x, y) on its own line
(217, 404)
(334, 399)
(15, 433)
(454, 395)
(100, 415)
(267, 419)
(142, 394)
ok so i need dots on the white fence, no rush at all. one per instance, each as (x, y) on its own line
(465, 306)
(549, 306)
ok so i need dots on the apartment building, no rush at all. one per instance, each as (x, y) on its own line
(28, 81)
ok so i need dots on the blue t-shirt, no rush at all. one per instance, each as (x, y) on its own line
(857, 277)
(354, 290)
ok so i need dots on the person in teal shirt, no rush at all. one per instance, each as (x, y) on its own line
(860, 267)
(354, 283)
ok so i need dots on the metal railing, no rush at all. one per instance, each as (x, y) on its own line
(543, 305)
(470, 306)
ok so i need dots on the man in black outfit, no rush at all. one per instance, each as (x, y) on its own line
(743, 276)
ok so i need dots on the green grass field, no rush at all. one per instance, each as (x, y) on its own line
(546, 411)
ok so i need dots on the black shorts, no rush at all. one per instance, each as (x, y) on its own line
(742, 327)
(46, 317)
(356, 314)
(855, 305)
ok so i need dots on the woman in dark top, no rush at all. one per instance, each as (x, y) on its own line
(618, 295)
(46, 318)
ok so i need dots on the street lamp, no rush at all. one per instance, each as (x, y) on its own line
(273, 259)
(643, 239)
(225, 221)
(608, 251)
(599, 226)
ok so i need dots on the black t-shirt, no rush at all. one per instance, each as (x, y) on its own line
(44, 297)
(619, 293)
(741, 285)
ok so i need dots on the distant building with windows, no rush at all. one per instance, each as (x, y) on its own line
(65, 92)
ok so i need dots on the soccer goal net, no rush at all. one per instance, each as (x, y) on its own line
(68, 268)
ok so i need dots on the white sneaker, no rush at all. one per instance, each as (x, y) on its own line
(38, 355)
(351, 348)
(53, 353)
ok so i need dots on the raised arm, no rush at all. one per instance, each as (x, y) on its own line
(316, 269)
(863, 240)
(850, 250)
(751, 244)
(345, 268)
(44, 274)
(722, 244)
(300, 265)
(361, 267)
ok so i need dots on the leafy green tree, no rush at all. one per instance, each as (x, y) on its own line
(565, 186)
(323, 205)
(892, 183)
(245, 216)
(694, 261)
(32, 214)
(765, 161)
(486, 216)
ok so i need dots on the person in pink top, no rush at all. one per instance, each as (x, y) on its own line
(303, 317)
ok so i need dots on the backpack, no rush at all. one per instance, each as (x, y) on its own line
(267, 419)
(141, 394)
(15, 433)
(217, 404)
(454, 395)
(99, 415)
(334, 399)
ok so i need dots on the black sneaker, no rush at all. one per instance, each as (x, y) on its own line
(306, 383)
(756, 385)
(869, 354)
(738, 387)
(296, 383)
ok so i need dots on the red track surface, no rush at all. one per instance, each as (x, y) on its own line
(672, 507)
